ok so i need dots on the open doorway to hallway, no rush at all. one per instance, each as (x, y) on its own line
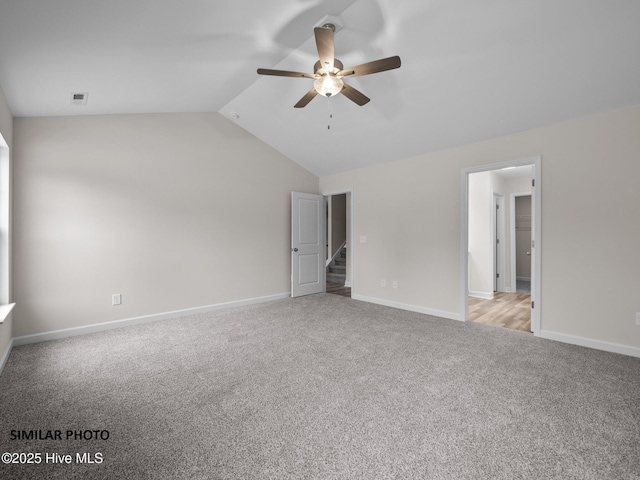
(338, 275)
(499, 247)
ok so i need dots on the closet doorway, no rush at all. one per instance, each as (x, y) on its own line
(521, 243)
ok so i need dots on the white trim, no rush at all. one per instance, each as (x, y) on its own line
(536, 264)
(5, 356)
(464, 245)
(5, 310)
(5, 222)
(337, 192)
(485, 295)
(405, 306)
(591, 343)
(328, 231)
(497, 225)
(99, 327)
(536, 251)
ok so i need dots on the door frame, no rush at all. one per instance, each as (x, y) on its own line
(350, 244)
(536, 250)
(497, 227)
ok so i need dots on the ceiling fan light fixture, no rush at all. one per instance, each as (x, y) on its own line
(328, 85)
(329, 71)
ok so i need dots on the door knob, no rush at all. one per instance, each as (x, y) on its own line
(528, 253)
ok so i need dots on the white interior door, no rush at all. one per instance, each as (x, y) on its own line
(307, 244)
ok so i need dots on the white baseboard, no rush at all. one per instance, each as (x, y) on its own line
(405, 306)
(485, 295)
(526, 279)
(591, 343)
(5, 356)
(99, 327)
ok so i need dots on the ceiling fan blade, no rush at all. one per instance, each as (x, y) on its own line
(355, 95)
(368, 68)
(304, 101)
(325, 44)
(284, 73)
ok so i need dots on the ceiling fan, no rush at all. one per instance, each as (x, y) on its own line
(329, 71)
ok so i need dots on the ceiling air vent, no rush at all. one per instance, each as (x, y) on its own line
(79, 98)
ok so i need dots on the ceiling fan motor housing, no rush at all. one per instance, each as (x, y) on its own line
(319, 69)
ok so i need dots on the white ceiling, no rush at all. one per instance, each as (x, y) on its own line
(515, 172)
(470, 70)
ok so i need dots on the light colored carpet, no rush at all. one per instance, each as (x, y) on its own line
(323, 387)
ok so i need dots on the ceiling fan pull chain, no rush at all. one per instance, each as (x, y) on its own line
(330, 114)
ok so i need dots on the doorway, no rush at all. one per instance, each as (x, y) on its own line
(521, 244)
(338, 243)
(490, 276)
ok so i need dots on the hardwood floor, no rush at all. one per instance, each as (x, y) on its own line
(509, 310)
(338, 289)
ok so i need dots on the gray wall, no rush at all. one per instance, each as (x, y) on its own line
(173, 211)
(182, 210)
(409, 210)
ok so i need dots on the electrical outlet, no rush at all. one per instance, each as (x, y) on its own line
(116, 299)
(363, 239)
(383, 283)
(395, 284)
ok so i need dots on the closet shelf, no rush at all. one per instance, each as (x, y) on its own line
(523, 223)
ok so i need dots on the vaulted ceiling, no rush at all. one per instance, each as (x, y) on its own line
(471, 69)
